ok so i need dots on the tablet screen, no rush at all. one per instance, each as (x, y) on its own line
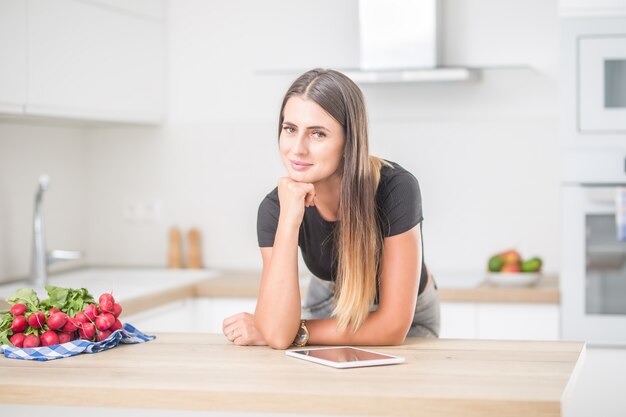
(345, 357)
(343, 354)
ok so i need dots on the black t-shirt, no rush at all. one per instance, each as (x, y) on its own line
(398, 205)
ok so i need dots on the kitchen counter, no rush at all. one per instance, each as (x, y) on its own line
(458, 289)
(206, 372)
(236, 284)
(545, 291)
(144, 288)
(132, 286)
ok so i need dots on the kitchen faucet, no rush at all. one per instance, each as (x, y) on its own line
(40, 258)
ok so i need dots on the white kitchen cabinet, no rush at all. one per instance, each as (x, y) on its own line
(518, 321)
(190, 315)
(85, 60)
(91, 62)
(12, 56)
(177, 316)
(513, 321)
(219, 308)
(458, 321)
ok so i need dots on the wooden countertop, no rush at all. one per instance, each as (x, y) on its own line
(546, 291)
(206, 372)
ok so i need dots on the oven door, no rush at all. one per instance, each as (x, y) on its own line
(593, 281)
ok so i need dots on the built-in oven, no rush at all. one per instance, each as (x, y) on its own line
(593, 283)
(593, 142)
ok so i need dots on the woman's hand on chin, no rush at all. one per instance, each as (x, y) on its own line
(241, 330)
(294, 196)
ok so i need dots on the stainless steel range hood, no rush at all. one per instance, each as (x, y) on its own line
(399, 41)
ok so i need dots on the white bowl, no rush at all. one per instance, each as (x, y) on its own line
(513, 279)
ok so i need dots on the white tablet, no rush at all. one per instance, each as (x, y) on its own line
(344, 357)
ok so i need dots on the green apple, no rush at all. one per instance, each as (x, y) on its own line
(495, 263)
(531, 265)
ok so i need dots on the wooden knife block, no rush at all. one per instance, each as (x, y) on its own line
(175, 252)
(194, 252)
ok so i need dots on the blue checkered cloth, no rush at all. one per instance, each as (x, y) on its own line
(129, 335)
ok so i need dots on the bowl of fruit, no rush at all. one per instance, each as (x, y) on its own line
(509, 269)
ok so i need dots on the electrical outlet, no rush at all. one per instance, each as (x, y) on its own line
(131, 211)
(142, 212)
(151, 212)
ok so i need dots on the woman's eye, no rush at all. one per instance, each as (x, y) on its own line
(317, 134)
(288, 129)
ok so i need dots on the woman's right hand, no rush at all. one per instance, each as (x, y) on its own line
(294, 197)
(241, 330)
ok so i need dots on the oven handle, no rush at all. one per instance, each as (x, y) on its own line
(601, 200)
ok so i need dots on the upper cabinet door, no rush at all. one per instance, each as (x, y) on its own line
(92, 62)
(12, 56)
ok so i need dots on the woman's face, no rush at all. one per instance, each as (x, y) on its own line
(311, 141)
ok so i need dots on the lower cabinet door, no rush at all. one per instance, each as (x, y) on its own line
(458, 321)
(221, 308)
(176, 316)
(190, 315)
(518, 321)
(504, 321)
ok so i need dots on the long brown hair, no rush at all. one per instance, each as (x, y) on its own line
(358, 239)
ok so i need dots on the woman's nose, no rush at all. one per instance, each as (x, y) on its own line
(299, 146)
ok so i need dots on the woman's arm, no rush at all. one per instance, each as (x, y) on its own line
(401, 266)
(277, 314)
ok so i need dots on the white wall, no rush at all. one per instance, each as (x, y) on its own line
(485, 152)
(26, 152)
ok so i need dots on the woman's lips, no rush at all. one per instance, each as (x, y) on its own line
(299, 165)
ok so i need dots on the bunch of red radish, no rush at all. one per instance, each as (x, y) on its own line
(94, 323)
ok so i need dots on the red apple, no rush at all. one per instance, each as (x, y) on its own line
(510, 268)
(511, 257)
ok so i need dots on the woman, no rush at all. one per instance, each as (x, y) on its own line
(357, 220)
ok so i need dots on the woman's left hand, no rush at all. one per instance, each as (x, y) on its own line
(240, 330)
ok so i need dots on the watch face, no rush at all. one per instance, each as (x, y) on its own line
(302, 337)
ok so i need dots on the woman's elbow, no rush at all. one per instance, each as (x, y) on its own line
(279, 343)
(396, 335)
(277, 339)
(396, 339)
(275, 336)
